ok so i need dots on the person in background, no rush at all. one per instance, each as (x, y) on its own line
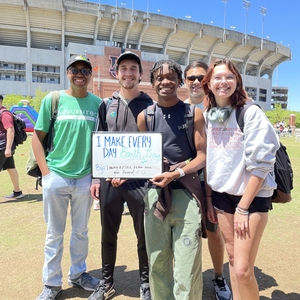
(66, 177)
(119, 114)
(172, 213)
(7, 149)
(193, 75)
(240, 172)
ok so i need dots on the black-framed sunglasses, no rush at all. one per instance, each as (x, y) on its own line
(192, 78)
(84, 71)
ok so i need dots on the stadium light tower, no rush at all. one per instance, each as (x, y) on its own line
(263, 12)
(224, 30)
(225, 2)
(246, 6)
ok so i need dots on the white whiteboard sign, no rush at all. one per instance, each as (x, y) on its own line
(126, 154)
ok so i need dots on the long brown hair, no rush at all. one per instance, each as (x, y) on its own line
(238, 98)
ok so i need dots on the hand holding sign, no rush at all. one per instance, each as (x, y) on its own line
(126, 155)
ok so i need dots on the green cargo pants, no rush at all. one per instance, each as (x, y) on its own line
(174, 247)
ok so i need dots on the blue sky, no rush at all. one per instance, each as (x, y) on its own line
(280, 24)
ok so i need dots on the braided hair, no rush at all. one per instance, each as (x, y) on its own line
(173, 65)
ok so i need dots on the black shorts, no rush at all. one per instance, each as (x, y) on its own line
(6, 162)
(228, 203)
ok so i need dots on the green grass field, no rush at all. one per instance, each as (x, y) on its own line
(23, 229)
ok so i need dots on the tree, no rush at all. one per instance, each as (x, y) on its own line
(278, 114)
(13, 99)
(37, 99)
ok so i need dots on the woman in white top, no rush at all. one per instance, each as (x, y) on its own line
(240, 172)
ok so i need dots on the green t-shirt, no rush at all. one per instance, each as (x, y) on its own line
(75, 121)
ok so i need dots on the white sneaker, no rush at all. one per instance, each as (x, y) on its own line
(96, 204)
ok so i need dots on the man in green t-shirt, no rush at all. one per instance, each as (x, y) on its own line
(66, 177)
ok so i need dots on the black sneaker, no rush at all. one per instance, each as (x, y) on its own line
(103, 291)
(84, 281)
(221, 288)
(145, 291)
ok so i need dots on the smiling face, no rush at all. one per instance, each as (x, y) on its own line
(79, 81)
(193, 85)
(223, 84)
(166, 83)
(128, 74)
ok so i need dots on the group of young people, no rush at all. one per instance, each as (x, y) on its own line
(217, 181)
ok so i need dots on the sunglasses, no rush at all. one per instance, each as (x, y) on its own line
(193, 78)
(84, 71)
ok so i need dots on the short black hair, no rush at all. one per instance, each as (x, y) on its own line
(1, 97)
(173, 65)
(195, 64)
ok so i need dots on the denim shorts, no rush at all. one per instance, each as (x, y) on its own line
(228, 203)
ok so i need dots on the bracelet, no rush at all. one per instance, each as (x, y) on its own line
(181, 172)
(242, 208)
(209, 196)
(242, 211)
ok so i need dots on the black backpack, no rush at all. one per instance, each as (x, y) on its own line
(32, 167)
(282, 167)
(19, 128)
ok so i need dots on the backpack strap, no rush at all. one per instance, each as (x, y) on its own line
(55, 99)
(240, 112)
(107, 102)
(189, 124)
(149, 117)
(3, 110)
(48, 142)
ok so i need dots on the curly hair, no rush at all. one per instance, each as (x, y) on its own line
(173, 65)
(238, 98)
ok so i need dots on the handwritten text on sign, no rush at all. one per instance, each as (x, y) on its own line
(126, 154)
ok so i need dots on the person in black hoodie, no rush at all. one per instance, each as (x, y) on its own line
(119, 113)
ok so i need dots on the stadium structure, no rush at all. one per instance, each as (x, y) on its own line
(37, 38)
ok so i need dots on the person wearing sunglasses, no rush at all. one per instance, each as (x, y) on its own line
(193, 75)
(66, 177)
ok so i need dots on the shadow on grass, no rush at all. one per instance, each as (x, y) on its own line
(264, 282)
(27, 198)
(127, 284)
(279, 295)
